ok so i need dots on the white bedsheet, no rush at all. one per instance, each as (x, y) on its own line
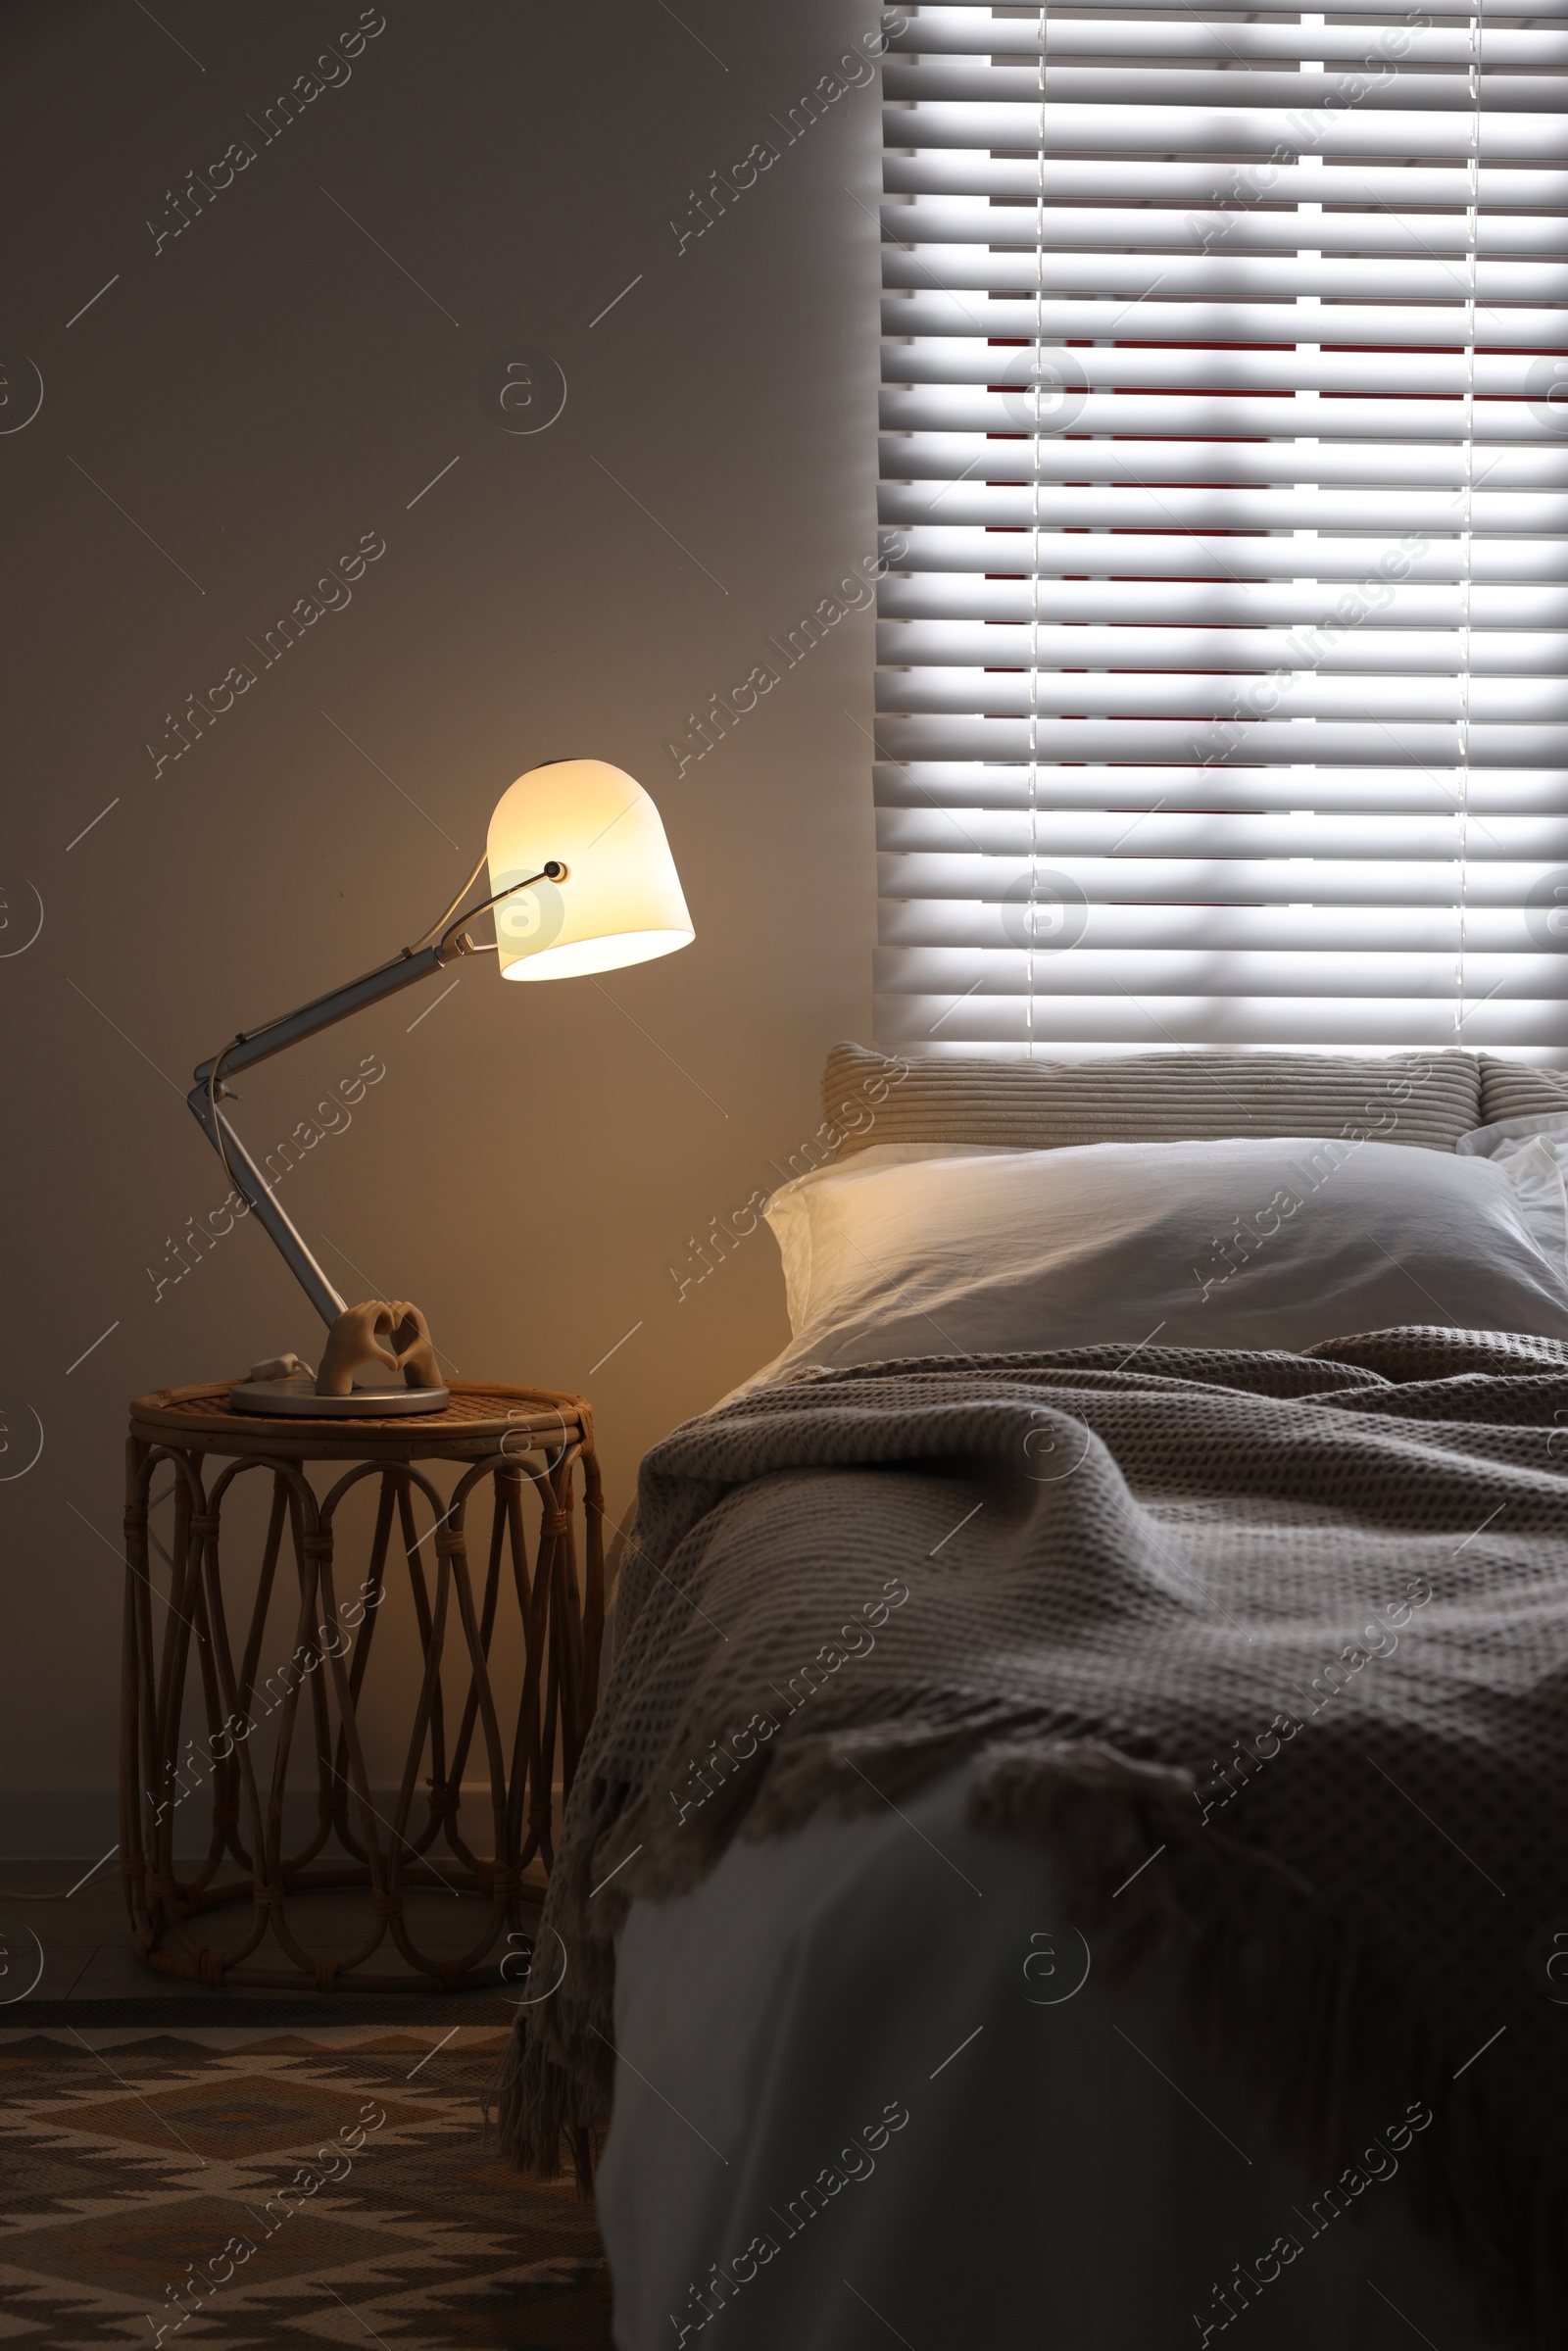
(1070, 2173)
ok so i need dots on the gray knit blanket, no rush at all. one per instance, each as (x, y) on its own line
(1300, 1620)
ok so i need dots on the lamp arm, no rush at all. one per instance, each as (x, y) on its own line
(258, 1196)
(277, 1036)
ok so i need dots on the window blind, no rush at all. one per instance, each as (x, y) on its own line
(1222, 692)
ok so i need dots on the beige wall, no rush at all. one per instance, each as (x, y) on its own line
(249, 398)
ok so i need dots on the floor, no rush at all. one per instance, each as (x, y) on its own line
(253, 2169)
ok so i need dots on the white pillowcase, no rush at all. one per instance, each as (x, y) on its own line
(1533, 1151)
(932, 1249)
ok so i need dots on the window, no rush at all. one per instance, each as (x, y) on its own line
(1222, 686)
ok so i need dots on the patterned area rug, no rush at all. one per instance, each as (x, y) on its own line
(243, 2189)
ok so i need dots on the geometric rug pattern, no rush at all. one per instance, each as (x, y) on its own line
(245, 2189)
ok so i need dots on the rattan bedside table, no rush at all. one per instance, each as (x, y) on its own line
(518, 1440)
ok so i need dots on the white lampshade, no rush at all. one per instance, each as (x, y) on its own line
(621, 902)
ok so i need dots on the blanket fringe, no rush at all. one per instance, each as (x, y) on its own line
(551, 2090)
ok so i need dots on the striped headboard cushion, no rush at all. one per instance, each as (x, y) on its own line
(1425, 1098)
(1520, 1089)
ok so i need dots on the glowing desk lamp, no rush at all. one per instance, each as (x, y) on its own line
(581, 880)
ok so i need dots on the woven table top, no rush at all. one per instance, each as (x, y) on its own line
(480, 1414)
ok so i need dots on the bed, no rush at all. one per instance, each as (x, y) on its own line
(1070, 1852)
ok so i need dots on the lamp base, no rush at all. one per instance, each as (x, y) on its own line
(296, 1400)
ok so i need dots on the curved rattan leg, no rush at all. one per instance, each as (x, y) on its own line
(535, 1741)
(501, 1884)
(443, 1798)
(239, 1725)
(426, 1716)
(501, 1856)
(593, 1611)
(393, 1483)
(329, 1970)
(166, 1894)
(567, 1609)
(132, 1851)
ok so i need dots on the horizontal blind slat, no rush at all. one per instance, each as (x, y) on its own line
(1222, 276)
(1118, 88)
(1180, 507)
(952, 597)
(1287, 459)
(1037, 1022)
(953, 926)
(1498, 326)
(1194, 741)
(979, 32)
(1084, 127)
(1218, 180)
(1205, 223)
(1062, 405)
(1163, 550)
(1174, 971)
(1300, 693)
(1129, 367)
(981, 646)
(960, 796)
(1113, 855)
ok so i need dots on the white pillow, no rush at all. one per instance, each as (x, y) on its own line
(1534, 1152)
(930, 1249)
